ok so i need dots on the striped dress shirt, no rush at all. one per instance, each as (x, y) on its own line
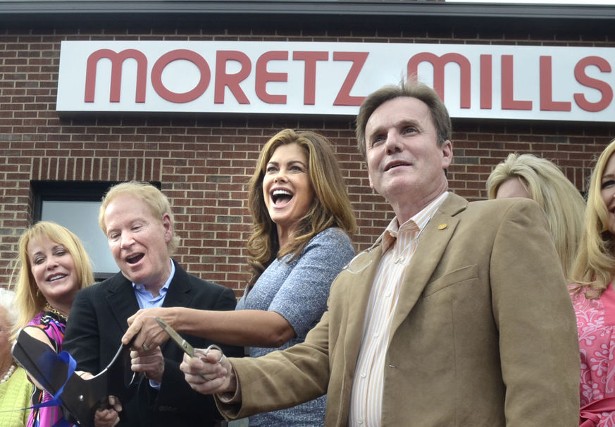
(398, 246)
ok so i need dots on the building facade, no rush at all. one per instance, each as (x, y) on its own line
(202, 158)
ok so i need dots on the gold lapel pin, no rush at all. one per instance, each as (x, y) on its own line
(442, 226)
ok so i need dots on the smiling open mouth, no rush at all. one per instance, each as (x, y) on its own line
(134, 259)
(281, 196)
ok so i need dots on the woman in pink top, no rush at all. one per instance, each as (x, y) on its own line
(52, 267)
(593, 296)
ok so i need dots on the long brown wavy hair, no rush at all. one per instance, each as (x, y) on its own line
(330, 208)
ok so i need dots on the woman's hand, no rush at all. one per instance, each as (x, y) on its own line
(143, 327)
(209, 372)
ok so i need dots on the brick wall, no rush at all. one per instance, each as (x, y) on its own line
(204, 164)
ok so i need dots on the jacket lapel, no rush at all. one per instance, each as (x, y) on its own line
(433, 242)
(357, 283)
(178, 294)
(122, 300)
(358, 296)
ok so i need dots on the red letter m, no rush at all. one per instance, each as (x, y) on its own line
(117, 61)
(438, 63)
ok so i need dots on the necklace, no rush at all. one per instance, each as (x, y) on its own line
(55, 311)
(8, 374)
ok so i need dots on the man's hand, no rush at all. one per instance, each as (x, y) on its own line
(150, 362)
(142, 326)
(109, 416)
(209, 372)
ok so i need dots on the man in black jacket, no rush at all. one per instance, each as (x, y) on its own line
(138, 222)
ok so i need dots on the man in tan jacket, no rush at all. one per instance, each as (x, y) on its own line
(457, 316)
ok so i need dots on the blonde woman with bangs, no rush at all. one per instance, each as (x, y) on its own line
(300, 241)
(52, 266)
(593, 296)
(539, 179)
(29, 296)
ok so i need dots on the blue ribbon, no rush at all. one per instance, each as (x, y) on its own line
(56, 399)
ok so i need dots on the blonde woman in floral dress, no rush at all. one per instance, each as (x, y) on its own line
(593, 296)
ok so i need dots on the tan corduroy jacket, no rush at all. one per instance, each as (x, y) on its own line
(483, 335)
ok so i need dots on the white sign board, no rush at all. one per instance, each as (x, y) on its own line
(312, 78)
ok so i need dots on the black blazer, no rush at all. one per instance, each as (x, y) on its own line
(97, 323)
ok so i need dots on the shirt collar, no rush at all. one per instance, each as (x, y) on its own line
(138, 287)
(420, 219)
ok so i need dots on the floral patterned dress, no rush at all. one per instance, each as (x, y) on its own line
(53, 324)
(596, 326)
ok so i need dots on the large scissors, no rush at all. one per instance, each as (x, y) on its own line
(78, 396)
(177, 338)
(182, 343)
